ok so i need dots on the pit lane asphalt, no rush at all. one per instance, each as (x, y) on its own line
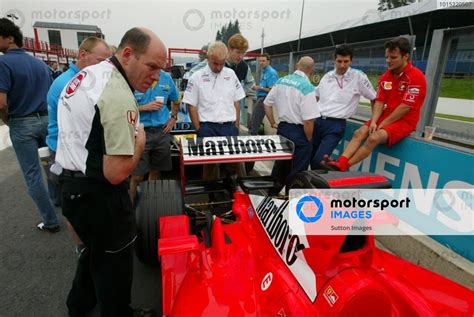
(36, 268)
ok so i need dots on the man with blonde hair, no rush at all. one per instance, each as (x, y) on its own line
(237, 47)
(92, 50)
(214, 95)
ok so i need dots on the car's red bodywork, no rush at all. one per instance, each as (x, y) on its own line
(249, 270)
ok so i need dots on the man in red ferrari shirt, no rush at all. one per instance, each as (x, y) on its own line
(402, 88)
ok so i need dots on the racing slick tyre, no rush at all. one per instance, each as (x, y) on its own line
(157, 199)
(249, 167)
(308, 179)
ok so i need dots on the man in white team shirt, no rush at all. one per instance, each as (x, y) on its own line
(100, 142)
(293, 97)
(214, 93)
(338, 93)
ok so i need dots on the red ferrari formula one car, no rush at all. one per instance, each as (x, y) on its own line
(238, 256)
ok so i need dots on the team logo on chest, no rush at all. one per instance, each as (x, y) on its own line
(74, 84)
(132, 117)
(402, 86)
(387, 85)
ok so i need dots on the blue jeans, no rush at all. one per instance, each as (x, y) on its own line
(27, 135)
(326, 136)
(258, 114)
(51, 179)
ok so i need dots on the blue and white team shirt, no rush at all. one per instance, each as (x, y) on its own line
(294, 98)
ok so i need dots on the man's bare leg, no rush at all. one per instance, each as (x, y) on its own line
(354, 144)
(154, 175)
(381, 136)
(355, 153)
(134, 181)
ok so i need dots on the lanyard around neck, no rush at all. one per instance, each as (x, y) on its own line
(340, 84)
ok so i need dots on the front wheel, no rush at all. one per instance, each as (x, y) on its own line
(158, 198)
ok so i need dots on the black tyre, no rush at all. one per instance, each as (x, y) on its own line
(249, 167)
(157, 199)
(308, 179)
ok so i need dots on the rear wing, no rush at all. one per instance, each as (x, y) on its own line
(235, 149)
(183, 128)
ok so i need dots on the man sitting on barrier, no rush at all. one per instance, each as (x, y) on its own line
(338, 93)
(402, 89)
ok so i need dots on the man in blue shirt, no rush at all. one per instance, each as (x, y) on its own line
(24, 82)
(269, 78)
(92, 50)
(156, 118)
(55, 72)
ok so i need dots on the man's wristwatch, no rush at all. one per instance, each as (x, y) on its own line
(174, 116)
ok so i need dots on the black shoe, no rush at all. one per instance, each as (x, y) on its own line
(52, 229)
(144, 312)
(80, 248)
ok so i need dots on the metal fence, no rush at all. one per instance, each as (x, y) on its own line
(452, 109)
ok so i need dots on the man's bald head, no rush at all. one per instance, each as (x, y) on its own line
(139, 39)
(305, 64)
(142, 55)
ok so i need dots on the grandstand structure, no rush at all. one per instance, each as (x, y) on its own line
(58, 42)
(418, 20)
(47, 52)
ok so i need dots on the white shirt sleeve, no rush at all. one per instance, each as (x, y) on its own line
(365, 87)
(309, 107)
(239, 92)
(191, 95)
(271, 97)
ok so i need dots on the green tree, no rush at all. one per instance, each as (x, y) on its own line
(227, 31)
(385, 5)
